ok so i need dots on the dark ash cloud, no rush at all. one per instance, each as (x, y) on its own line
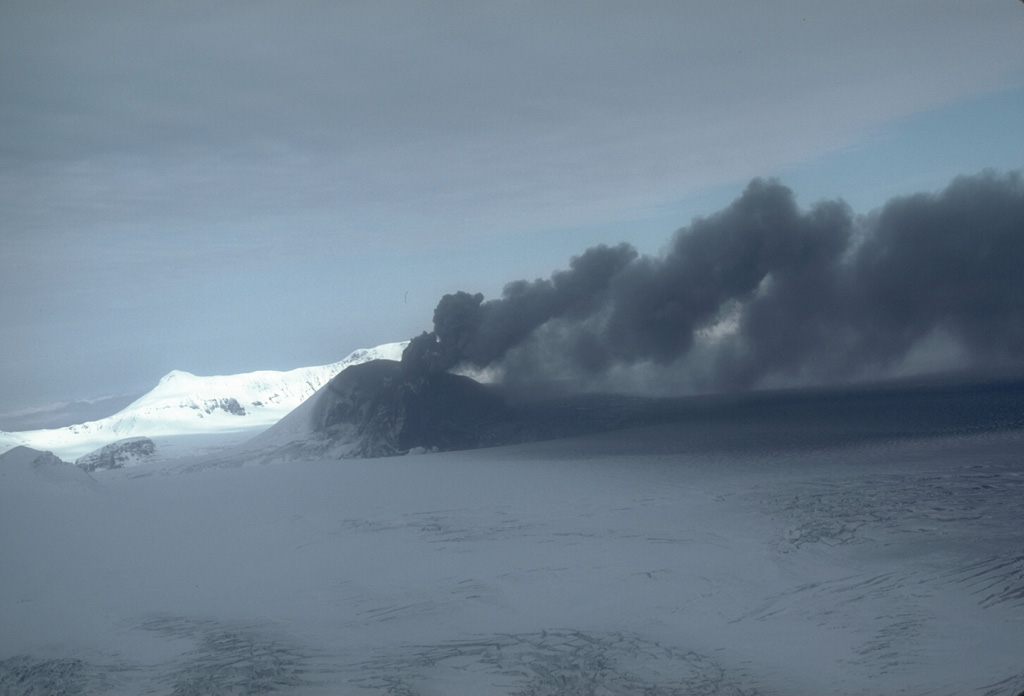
(765, 293)
(469, 330)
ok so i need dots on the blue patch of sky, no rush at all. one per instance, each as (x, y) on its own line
(922, 152)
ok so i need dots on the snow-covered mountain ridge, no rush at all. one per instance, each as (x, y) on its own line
(186, 404)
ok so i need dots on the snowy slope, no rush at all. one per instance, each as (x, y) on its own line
(23, 465)
(667, 560)
(183, 404)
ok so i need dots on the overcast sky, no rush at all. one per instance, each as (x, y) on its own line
(224, 187)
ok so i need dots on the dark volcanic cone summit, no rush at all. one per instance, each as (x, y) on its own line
(389, 411)
(377, 409)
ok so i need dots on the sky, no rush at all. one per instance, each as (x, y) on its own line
(226, 187)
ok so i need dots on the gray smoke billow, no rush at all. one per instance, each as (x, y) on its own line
(764, 293)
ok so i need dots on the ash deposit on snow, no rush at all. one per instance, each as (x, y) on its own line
(374, 410)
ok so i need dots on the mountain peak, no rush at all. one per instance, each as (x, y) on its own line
(176, 380)
(175, 375)
(232, 407)
(374, 409)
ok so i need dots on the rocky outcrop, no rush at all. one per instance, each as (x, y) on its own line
(228, 405)
(127, 452)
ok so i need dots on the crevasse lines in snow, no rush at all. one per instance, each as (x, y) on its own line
(929, 504)
(223, 658)
(557, 662)
(994, 580)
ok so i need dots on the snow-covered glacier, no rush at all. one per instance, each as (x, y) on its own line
(850, 543)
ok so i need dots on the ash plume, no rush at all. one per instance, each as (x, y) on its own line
(763, 293)
(469, 330)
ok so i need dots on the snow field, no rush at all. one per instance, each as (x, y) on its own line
(548, 568)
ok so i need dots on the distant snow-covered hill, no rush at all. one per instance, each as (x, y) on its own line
(186, 404)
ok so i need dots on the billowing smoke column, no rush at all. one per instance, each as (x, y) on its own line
(469, 330)
(763, 293)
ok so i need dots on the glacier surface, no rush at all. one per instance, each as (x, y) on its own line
(699, 556)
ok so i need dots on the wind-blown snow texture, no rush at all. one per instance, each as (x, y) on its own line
(856, 542)
(222, 409)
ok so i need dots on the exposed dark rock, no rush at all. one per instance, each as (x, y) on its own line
(381, 410)
(117, 454)
(393, 413)
(230, 405)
